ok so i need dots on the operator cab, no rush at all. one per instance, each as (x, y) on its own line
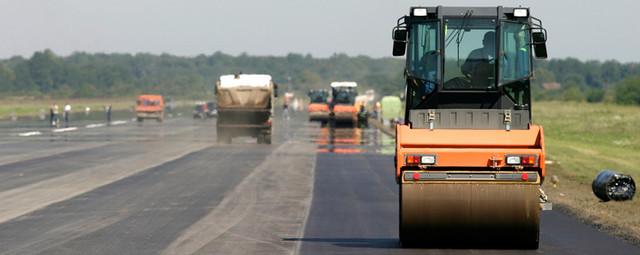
(318, 96)
(343, 93)
(469, 68)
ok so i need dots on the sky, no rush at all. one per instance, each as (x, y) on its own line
(587, 30)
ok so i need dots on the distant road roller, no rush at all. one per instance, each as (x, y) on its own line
(343, 98)
(469, 161)
(318, 107)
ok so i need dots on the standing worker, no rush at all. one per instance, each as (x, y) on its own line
(56, 118)
(107, 109)
(67, 111)
(51, 115)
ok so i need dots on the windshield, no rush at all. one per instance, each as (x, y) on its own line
(344, 96)
(423, 50)
(516, 63)
(422, 60)
(469, 54)
(147, 102)
(318, 97)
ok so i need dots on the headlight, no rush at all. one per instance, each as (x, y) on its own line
(513, 160)
(528, 160)
(428, 160)
(520, 13)
(420, 12)
(420, 160)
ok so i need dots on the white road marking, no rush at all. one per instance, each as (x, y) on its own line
(32, 133)
(548, 162)
(60, 130)
(96, 125)
(118, 122)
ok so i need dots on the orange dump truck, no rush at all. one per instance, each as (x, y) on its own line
(150, 107)
(469, 160)
(343, 99)
(318, 107)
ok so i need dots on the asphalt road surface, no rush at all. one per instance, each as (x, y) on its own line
(170, 188)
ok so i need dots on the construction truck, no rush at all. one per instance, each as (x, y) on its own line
(245, 106)
(391, 110)
(469, 160)
(150, 106)
(342, 107)
(318, 107)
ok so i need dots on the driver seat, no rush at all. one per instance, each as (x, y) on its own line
(482, 75)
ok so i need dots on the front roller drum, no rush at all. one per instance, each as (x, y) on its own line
(475, 214)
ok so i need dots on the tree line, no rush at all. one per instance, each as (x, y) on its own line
(593, 81)
(85, 75)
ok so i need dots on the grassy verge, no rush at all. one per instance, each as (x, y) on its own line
(21, 107)
(581, 140)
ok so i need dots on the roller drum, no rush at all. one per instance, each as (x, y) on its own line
(494, 214)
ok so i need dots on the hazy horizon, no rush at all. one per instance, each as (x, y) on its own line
(276, 28)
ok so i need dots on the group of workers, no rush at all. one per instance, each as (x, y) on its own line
(54, 114)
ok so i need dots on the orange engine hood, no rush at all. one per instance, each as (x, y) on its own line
(468, 138)
(318, 107)
(344, 108)
(469, 148)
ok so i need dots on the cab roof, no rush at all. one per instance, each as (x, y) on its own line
(461, 11)
(251, 80)
(350, 84)
(150, 96)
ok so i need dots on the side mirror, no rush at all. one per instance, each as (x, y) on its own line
(399, 41)
(539, 44)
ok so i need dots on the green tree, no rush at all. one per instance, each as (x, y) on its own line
(46, 71)
(573, 93)
(595, 95)
(628, 91)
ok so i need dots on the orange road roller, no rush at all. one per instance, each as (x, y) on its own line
(469, 160)
(318, 107)
(343, 99)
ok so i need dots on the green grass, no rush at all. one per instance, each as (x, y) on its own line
(32, 107)
(581, 140)
(586, 138)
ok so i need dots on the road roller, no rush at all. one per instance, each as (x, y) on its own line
(342, 107)
(469, 160)
(318, 107)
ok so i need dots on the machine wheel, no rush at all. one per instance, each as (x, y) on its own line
(531, 245)
(264, 137)
(267, 138)
(451, 214)
(405, 240)
(223, 137)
